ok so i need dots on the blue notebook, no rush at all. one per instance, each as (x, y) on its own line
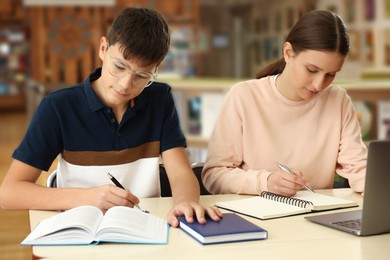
(232, 228)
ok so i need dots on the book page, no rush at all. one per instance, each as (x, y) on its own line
(80, 222)
(128, 225)
(324, 202)
(261, 208)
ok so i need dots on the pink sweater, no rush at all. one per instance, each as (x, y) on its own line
(258, 126)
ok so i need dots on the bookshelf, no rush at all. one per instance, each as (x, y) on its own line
(13, 66)
(186, 89)
(375, 94)
(210, 93)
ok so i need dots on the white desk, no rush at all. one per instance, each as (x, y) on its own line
(289, 238)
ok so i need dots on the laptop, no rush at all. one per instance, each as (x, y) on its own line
(374, 217)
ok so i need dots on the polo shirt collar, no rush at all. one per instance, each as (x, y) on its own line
(93, 100)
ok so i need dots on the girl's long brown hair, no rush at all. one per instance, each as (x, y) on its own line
(319, 30)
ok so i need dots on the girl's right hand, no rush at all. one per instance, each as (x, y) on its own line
(286, 184)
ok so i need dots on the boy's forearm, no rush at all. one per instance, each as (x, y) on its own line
(26, 195)
(185, 190)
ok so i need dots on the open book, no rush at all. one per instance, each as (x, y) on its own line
(86, 225)
(269, 205)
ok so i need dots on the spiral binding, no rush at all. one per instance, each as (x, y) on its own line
(284, 199)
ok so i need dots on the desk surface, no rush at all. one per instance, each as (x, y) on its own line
(289, 238)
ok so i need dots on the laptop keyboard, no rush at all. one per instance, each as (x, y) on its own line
(352, 224)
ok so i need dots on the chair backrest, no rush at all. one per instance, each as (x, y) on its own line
(51, 181)
(197, 169)
(165, 187)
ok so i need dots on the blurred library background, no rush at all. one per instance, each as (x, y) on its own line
(50, 44)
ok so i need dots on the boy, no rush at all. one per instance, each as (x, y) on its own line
(119, 121)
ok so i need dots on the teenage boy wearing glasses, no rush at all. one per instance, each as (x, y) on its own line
(119, 121)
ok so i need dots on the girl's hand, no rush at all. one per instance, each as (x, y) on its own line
(286, 184)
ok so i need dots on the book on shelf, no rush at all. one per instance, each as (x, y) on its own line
(269, 205)
(203, 111)
(4, 88)
(87, 225)
(194, 115)
(179, 99)
(196, 154)
(383, 120)
(231, 228)
(211, 104)
(364, 114)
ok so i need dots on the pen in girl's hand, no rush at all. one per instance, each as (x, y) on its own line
(117, 183)
(286, 169)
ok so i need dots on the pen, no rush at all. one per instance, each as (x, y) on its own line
(286, 169)
(117, 183)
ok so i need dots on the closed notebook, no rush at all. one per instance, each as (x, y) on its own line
(231, 228)
(269, 205)
(87, 225)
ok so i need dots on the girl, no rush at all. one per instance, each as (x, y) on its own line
(292, 115)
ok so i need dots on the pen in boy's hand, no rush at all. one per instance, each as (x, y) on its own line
(286, 169)
(117, 183)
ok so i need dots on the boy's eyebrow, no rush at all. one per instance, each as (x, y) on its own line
(125, 64)
(118, 59)
(121, 61)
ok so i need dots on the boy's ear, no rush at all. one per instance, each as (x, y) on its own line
(103, 46)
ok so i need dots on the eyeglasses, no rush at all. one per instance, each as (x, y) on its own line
(141, 79)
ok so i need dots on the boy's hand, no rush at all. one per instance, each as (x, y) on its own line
(108, 196)
(191, 210)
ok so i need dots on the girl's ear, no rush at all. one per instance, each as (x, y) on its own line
(288, 52)
(103, 46)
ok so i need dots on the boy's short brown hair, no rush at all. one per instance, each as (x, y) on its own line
(142, 33)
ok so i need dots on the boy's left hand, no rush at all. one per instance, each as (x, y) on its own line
(191, 210)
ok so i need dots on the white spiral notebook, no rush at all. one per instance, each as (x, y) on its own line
(269, 205)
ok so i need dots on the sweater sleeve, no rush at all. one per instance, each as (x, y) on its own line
(352, 158)
(224, 170)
